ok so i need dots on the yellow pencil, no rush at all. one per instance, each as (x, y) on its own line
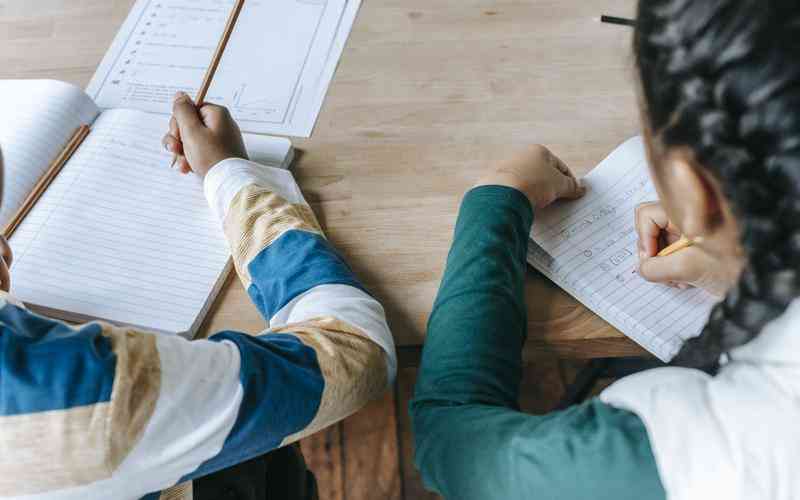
(679, 245)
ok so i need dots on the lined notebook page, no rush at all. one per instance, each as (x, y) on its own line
(120, 236)
(38, 119)
(588, 247)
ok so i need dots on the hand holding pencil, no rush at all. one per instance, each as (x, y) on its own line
(203, 136)
(206, 85)
(666, 256)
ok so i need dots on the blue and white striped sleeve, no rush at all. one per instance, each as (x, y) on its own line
(101, 411)
(328, 350)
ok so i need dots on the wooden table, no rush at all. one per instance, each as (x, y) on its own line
(427, 96)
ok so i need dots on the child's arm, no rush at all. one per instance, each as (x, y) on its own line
(471, 440)
(106, 412)
(328, 350)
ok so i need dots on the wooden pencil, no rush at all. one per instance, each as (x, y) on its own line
(223, 42)
(212, 68)
(679, 245)
(41, 186)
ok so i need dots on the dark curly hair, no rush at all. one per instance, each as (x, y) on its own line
(722, 77)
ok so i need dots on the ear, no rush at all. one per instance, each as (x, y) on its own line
(691, 193)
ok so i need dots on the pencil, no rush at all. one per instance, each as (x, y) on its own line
(617, 20)
(212, 68)
(52, 171)
(679, 245)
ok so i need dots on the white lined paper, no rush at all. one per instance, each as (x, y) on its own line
(273, 76)
(121, 236)
(588, 247)
(39, 118)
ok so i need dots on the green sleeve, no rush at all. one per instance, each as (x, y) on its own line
(471, 440)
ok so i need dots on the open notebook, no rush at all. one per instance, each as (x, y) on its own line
(118, 235)
(588, 248)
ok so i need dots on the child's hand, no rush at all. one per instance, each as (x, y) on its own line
(688, 267)
(5, 264)
(538, 174)
(203, 137)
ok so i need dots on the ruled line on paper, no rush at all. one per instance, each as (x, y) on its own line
(588, 247)
(121, 236)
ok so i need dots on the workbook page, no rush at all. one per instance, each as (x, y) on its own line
(588, 247)
(38, 119)
(121, 236)
(274, 73)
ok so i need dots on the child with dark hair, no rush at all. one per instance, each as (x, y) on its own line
(720, 88)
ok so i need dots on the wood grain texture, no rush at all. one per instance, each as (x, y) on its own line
(428, 94)
(413, 489)
(371, 457)
(324, 456)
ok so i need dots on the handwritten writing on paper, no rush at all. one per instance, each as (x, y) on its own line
(588, 247)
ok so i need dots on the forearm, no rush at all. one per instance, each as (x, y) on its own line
(477, 327)
(291, 272)
(328, 350)
(485, 452)
(470, 440)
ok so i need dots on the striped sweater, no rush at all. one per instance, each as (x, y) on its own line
(102, 412)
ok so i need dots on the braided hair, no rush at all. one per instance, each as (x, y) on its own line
(722, 77)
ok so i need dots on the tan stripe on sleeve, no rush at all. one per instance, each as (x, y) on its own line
(182, 491)
(256, 218)
(137, 384)
(54, 450)
(353, 366)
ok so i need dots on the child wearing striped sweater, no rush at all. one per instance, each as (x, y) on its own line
(102, 412)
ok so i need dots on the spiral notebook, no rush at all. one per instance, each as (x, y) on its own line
(588, 248)
(118, 235)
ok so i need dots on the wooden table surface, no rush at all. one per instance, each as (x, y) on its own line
(427, 96)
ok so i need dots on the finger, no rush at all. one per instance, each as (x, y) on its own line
(172, 145)
(183, 165)
(185, 113)
(5, 277)
(571, 188)
(562, 167)
(177, 161)
(651, 222)
(174, 129)
(7, 253)
(214, 116)
(580, 188)
(681, 267)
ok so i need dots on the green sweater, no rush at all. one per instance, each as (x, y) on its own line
(472, 442)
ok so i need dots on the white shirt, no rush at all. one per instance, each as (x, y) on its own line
(733, 436)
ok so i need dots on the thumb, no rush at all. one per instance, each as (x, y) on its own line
(185, 113)
(571, 188)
